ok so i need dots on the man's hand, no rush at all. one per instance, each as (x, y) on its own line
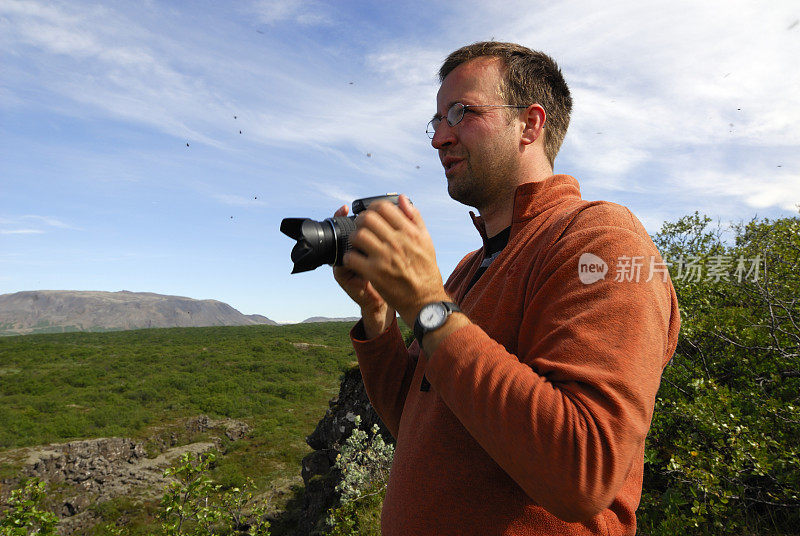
(377, 315)
(393, 254)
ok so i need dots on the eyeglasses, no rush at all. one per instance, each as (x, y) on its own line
(456, 113)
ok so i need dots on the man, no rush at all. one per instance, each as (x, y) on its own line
(524, 408)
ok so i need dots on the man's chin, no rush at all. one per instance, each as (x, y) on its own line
(458, 193)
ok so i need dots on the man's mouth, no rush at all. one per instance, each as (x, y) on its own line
(449, 162)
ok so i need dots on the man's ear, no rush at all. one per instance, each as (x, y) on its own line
(534, 118)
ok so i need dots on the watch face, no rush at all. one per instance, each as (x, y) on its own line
(432, 315)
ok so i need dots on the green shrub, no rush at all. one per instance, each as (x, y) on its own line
(195, 505)
(25, 514)
(360, 517)
(364, 461)
(192, 504)
(723, 455)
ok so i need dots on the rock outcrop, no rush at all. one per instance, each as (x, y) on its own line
(319, 475)
(94, 471)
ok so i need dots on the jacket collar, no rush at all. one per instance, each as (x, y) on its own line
(534, 198)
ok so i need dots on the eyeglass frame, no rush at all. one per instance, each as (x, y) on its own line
(430, 130)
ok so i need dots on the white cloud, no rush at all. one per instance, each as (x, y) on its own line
(101, 59)
(758, 191)
(46, 220)
(20, 231)
(41, 224)
(305, 12)
(112, 66)
(26, 8)
(334, 192)
(649, 80)
(652, 81)
(408, 65)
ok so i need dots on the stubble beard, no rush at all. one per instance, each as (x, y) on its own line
(466, 188)
(483, 186)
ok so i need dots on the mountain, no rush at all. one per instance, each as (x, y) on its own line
(326, 319)
(55, 311)
(261, 319)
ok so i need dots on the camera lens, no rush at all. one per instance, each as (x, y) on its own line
(318, 242)
(342, 229)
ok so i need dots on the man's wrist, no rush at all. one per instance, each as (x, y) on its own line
(377, 322)
(431, 340)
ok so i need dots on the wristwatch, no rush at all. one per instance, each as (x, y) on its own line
(433, 316)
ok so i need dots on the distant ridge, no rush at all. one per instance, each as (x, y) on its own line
(56, 311)
(327, 319)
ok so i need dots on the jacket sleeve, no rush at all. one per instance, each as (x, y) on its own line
(387, 369)
(567, 415)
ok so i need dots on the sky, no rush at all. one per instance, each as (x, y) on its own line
(156, 146)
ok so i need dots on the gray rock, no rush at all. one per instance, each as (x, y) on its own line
(97, 470)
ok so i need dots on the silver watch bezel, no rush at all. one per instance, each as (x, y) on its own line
(440, 320)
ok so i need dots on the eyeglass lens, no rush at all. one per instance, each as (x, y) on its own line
(454, 116)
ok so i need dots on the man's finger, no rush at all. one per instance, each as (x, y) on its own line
(410, 211)
(356, 262)
(377, 223)
(393, 216)
(366, 240)
(341, 212)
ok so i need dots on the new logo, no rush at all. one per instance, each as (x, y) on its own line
(591, 268)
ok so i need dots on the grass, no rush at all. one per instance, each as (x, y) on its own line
(278, 379)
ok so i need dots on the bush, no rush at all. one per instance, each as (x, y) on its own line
(25, 514)
(722, 456)
(193, 504)
(364, 461)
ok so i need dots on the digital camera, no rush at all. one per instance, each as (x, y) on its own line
(326, 241)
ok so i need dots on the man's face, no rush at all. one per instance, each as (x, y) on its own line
(480, 154)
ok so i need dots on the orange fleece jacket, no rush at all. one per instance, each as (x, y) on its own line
(537, 414)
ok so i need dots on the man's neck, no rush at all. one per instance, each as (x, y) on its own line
(497, 218)
(499, 215)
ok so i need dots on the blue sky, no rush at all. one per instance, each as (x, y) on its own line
(679, 106)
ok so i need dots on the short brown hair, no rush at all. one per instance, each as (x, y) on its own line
(530, 77)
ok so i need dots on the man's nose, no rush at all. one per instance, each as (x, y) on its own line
(444, 136)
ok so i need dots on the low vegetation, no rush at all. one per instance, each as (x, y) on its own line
(26, 514)
(82, 385)
(145, 384)
(364, 461)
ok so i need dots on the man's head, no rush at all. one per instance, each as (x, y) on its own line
(482, 149)
(528, 77)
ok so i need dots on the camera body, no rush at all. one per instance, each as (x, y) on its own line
(326, 241)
